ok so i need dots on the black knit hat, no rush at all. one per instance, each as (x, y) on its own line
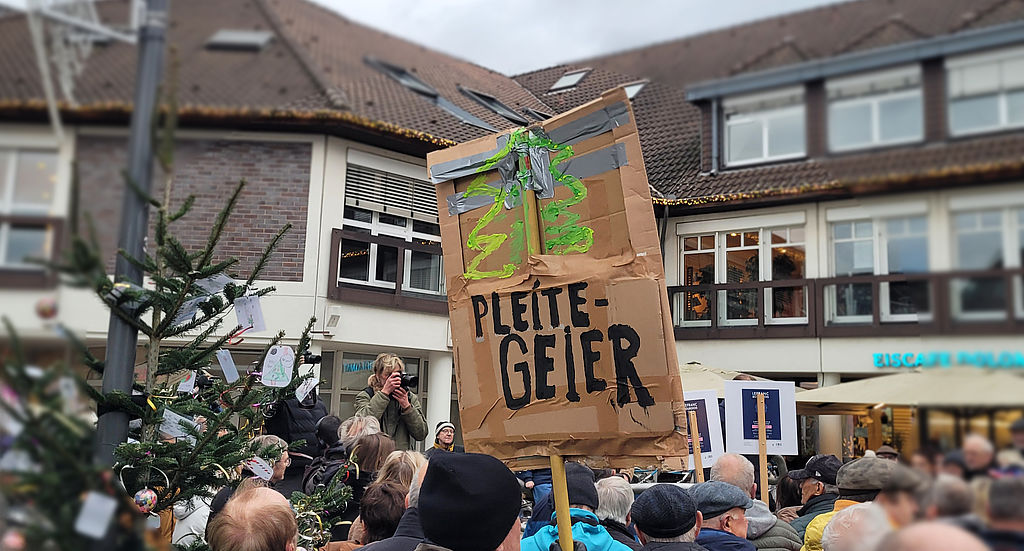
(468, 501)
(580, 480)
(664, 511)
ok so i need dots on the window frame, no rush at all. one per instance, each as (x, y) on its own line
(46, 217)
(832, 298)
(1011, 232)
(764, 117)
(874, 101)
(1001, 93)
(383, 229)
(768, 272)
(885, 307)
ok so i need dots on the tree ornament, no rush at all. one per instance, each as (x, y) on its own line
(46, 308)
(13, 540)
(145, 499)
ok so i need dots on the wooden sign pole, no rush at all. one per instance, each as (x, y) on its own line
(762, 447)
(698, 461)
(559, 487)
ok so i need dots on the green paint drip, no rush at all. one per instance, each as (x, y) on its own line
(487, 244)
(568, 236)
(516, 243)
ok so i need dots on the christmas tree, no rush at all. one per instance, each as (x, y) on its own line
(193, 430)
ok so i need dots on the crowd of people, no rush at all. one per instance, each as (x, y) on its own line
(971, 499)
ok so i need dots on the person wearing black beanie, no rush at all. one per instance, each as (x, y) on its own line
(469, 502)
(667, 519)
(586, 527)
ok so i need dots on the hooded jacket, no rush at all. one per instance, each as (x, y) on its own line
(191, 517)
(717, 540)
(816, 528)
(408, 535)
(814, 507)
(767, 532)
(405, 427)
(586, 528)
(620, 533)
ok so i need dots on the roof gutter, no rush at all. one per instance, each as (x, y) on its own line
(906, 52)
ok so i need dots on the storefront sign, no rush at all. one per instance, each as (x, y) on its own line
(964, 358)
(356, 366)
(562, 333)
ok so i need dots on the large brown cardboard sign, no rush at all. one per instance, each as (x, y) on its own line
(559, 313)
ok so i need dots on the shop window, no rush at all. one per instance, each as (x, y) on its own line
(763, 128)
(986, 92)
(875, 110)
(698, 269)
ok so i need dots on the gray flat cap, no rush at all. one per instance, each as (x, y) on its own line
(715, 498)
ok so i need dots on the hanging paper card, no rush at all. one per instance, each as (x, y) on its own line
(278, 366)
(15, 461)
(95, 516)
(173, 426)
(34, 371)
(259, 467)
(214, 284)
(305, 388)
(249, 313)
(8, 422)
(227, 365)
(188, 384)
(188, 310)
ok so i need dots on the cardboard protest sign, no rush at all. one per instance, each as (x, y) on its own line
(709, 424)
(560, 321)
(780, 416)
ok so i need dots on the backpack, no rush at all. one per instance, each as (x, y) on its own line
(323, 471)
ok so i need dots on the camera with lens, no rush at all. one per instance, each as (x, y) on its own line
(410, 381)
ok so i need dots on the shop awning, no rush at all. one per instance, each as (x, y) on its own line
(697, 376)
(943, 388)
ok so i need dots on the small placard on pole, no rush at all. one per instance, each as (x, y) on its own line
(762, 447)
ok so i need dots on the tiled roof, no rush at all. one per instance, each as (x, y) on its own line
(313, 68)
(670, 127)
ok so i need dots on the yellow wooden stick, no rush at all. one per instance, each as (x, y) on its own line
(560, 491)
(698, 462)
(762, 447)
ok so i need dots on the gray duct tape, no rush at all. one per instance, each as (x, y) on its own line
(596, 123)
(584, 166)
(596, 162)
(543, 181)
(465, 166)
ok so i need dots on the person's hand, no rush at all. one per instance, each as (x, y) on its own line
(402, 396)
(788, 514)
(393, 382)
(529, 484)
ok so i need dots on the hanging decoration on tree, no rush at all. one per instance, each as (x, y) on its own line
(145, 499)
(46, 308)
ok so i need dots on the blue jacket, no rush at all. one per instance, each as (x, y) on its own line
(594, 536)
(717, 540)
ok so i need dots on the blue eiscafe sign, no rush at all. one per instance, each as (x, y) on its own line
(1007, 359)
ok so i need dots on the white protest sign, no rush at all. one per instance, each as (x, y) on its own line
(188, 384)
(305, 388)
(188, 310)
(278, 366)
(779, 414)
(709, 424)
(172, 426)
(227, 365)
(249, 313)
(95, 516)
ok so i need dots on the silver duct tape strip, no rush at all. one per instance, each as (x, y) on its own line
(465, 166)
(543, 180)
(581, 167)
(594, 124)
(596, 162)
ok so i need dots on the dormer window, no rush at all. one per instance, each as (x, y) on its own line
(986, 92)
(764, 127)
(633, 89)
(876, 109)
(569, 80)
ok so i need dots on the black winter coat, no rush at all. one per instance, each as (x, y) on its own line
(621, 534)
(673, 546)
(296, 421)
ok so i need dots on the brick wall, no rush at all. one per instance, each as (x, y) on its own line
(277, 191)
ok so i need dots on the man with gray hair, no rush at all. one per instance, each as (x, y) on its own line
(931, 536)
(950, 499)
(764, 530)
(667, 519)
(979, 456)
(1006, 515)
(614, 499)
(857, 528)
(409, 533)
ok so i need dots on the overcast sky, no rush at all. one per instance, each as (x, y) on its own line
(496, 34)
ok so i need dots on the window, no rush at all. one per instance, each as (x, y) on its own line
(28, 188)
(853, 253)
(377, 264)
(569, 80)
(536, 115)
(493, 104)
(633, 89)
(986, 92)
(904, 244)
(764, 128)
(979, 245)
(873, 110)
(744, 257)
(415, 84)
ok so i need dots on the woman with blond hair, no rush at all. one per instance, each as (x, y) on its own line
(395, 407)
(401, 467)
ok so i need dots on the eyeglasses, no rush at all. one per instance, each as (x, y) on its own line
(286, 460)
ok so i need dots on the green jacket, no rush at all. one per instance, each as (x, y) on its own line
(404, 427)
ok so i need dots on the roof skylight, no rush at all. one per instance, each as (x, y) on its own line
(569, 80)
(230, 39)
(634, 89)
(493, 104)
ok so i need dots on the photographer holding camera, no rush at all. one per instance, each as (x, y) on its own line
(390, 400)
